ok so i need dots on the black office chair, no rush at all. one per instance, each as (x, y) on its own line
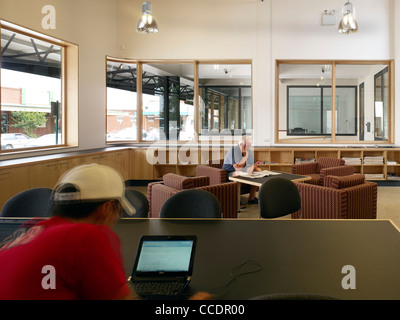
(139, 202)
(191, 203)
(278, 197)
(35, 202)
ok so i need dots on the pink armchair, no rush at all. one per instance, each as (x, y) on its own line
(323, 167)
(348, 197)
(159, 192)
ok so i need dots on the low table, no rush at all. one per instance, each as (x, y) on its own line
(259, 181)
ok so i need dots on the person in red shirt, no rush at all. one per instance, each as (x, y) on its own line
(75, 254)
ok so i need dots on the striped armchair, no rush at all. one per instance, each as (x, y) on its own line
(159, 192)
(323, 167)
(213, 170)
(348, 197)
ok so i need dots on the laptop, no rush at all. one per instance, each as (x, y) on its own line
(163, 266)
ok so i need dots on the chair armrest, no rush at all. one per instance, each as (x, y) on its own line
(177, 181)
(362, 201)
(150, 188)
(335, 171)
(304, 168)
(201, 181)
(216, 175)
(159, 194)
(227, 195)
(318, 202)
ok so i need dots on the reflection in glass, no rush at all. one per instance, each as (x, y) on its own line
(224, 99)
(31, 89)
(121, 101)
(304, 111)
(362, 102)
(168, 111)
(381, 105)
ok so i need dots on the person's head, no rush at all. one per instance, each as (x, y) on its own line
(91, 192)
(245, 143)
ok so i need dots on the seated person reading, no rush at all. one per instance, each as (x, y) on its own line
(241, 159)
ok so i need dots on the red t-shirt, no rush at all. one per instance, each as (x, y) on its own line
(58, 259)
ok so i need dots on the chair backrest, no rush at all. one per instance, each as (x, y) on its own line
(278, 197)
(139, 202)
(324, 162)
(35, 202)
(216, 163)
(192, 203)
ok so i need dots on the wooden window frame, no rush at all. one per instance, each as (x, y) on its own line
(139, 63)
(334, 64)
(69, 87)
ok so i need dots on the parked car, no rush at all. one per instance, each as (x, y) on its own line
(45, 140)
(124, 134)
(13, 140)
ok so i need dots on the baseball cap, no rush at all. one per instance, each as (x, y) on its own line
(92, 182)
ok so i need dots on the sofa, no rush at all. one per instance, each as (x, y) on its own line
(159, 192)
(323, 167)
(346, 197)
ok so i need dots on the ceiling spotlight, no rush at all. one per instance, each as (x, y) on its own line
(147, 24)
(348, 24)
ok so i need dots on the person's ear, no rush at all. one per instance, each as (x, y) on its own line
(104, 212)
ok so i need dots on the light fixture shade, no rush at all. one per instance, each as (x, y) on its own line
(147, 24)
(348, 24)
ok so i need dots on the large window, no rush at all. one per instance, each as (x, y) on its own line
(32, 95)
(334, 102)
(31, 91)
(154, 100)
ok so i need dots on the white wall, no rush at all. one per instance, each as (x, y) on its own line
(297, 32)
(259, 30)
(209, 29)
(91, 24)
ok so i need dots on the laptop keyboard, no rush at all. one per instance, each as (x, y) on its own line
(157, 288)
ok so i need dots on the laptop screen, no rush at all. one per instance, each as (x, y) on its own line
(165, 254)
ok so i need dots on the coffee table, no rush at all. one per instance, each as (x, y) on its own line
(259, 181)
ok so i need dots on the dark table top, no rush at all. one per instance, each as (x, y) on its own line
(295, 256)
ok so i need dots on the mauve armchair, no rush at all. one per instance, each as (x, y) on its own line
(159, 192)
(347, 197)
(323, 167)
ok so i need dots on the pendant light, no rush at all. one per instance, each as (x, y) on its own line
(147, 24)
(348, 24)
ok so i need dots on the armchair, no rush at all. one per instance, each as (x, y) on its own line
(348, 197)
(159, 192)
(217, 175)
(323, 167)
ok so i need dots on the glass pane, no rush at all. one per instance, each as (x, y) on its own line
(168, 111)
(346, 111)
(360, 111)
(224, 99)
(305, 99)
(382, 105)
(304, 111)
(31, 110)
(121, 101)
